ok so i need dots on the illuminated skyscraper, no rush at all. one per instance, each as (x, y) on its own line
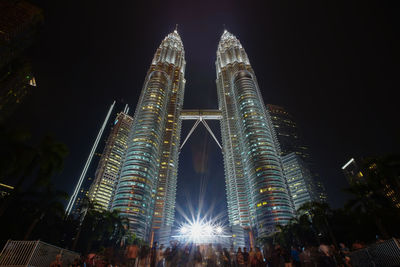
(257, 192)
(290, 141)
(109, 167)
(146, 190)
(82, 187)
(300, 181)
(287, 132)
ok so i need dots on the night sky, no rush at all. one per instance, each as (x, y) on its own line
(333, 66)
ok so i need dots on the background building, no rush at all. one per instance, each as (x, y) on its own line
(352, 172)
(300, 181)
(19, 24)
(379, 175)
(287, 132)
(290, 142)
(81, 191)
(257, 193)
(5, 190)
(109, 167)
(146, 190)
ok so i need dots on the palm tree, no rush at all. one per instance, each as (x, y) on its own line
(367, 199)
(47, 201)
(100, 227)
(319, 213)
(23, 162)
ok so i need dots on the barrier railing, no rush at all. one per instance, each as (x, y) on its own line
(34, 253)
(386, 253)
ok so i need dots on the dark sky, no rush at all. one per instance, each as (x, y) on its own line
(333, 66)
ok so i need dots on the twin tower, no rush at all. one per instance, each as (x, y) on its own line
(257, 192)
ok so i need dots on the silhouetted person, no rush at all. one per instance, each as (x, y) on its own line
(57, 262)
(239, 258)
(197, 257)
(246, 256)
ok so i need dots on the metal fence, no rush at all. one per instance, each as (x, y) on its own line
(384, 254)
(34, 254)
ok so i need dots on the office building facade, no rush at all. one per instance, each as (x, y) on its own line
(146, 189)
(300, 181)
(109, 167)
(19, 26)
(257, 193)
(290, 141)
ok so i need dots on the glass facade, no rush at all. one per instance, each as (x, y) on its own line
(107, 172)
(257, 192)
(290, 142)
(146, 190)
(300, 181)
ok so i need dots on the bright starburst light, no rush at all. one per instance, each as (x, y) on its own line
(201, 231)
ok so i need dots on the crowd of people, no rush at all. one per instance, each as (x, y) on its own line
(191, 255)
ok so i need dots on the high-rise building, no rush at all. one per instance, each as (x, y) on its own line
(287, 132)
(380, 171)
(146, 190)
(290, 141)
(109, 167)
(81, 190)
(300, 181)
(19, 23)
(5, 190)
(16, 83)
(352, 172)
(257, 192)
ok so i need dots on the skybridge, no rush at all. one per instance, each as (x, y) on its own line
(201, 115)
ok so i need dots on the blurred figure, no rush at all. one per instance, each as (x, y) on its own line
(357, 245)
(277, 257)
(153, 255)
(344, 250)
(258, 258)
(232, 256)
(132, 252)
(345, 254)
(210, 256)
(246, 256)
(325, 258)
(144, 256)
(239, 258)
(174, 254)
(160, 256)
(197, 257)
(57, 262)
(167, 257)
(306, 259)
(91, 259)
(184, 257)
(287, 258)
(267, 252)
(226, 258)
(294, 253)
(335, 254)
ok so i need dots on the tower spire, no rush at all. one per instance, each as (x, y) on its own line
(176, 28)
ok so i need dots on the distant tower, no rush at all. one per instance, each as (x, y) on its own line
(146, 190)
(109, 167)
(287, 132)
(257, 192)
(19, 24)
(81, 189)
(290, 142)
(379, 170)
(300, 181)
